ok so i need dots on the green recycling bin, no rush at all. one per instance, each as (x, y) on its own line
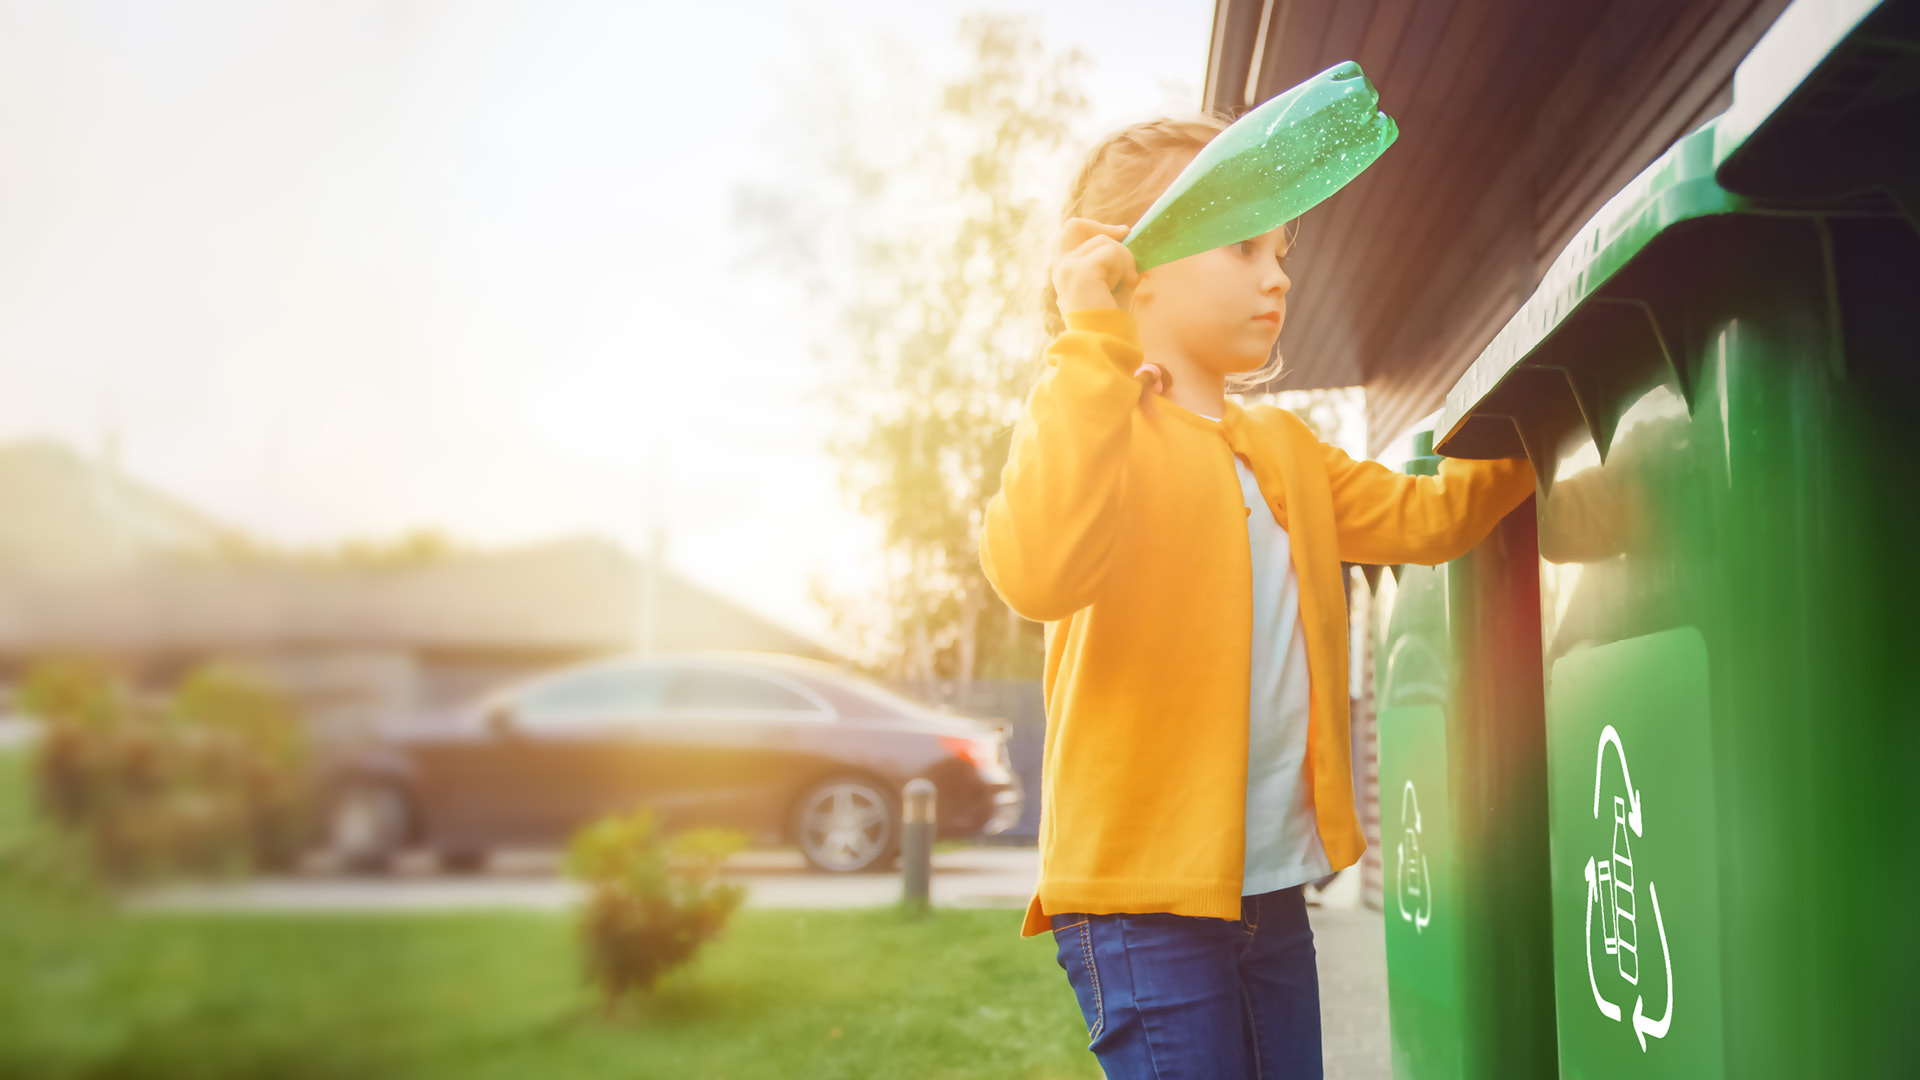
(1718, 384)
(1463, 836)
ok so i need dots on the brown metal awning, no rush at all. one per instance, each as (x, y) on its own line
(1518, 118)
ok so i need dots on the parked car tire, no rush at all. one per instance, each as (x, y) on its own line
(847, 825)
(367, 824)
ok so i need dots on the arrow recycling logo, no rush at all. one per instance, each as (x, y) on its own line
(1415, 885)
(1612, 888)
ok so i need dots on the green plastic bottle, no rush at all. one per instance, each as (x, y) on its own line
(1267, 168)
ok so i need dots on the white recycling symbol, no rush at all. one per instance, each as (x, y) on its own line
(1411, 864)
(1610, 883)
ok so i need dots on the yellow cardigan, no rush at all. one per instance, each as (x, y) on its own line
(1124, 530)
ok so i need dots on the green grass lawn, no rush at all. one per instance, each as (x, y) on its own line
(88, 993)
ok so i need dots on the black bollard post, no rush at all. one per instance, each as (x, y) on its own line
(916, 843)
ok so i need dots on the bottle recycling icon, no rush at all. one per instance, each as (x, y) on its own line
(1411, 865)
(1611, 886)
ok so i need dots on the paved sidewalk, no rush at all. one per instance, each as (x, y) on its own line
(971, 877)
(1352, 947)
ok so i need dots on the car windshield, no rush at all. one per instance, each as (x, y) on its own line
(851, 696)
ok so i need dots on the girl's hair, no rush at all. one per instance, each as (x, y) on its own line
(1118, 180)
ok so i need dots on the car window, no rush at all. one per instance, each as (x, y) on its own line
(715, 689)
(604, 695)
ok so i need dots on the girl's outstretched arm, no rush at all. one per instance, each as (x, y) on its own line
(1387, 517)
(1049, 532)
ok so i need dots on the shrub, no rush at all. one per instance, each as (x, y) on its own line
(211, 780)
(651, 902)
(254, 747)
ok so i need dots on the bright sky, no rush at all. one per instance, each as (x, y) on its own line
(347, 268)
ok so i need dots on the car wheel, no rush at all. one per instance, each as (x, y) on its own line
(367, 825)
(847, 825)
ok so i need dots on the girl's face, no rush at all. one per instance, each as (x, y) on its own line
(1222, 308)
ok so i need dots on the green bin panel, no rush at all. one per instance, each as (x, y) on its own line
(1633, 807)
(1463, 830)
(1719, 393)
(1422, 913)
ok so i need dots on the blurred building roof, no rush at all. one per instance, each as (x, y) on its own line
(68, 517)
(91, 559)
(1518, 119)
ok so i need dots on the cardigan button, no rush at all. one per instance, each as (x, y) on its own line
(1249, 511)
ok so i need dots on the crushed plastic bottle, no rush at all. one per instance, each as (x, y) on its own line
(1268, 167)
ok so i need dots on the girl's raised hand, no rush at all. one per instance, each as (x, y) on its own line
(1092, 268)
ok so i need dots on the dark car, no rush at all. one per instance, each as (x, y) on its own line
(789, 751)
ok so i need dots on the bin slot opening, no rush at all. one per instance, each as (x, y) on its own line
(1838, 137)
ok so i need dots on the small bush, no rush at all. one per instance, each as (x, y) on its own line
(652, 902)
(256, 749)
(211, 780)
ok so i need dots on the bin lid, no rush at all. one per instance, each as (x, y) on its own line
(1806, 129)
(1811, 101)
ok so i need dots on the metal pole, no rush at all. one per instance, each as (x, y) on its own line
(916, 842)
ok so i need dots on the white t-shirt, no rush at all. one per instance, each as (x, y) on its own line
(1283, 836)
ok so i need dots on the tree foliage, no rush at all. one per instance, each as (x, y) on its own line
(917, 232)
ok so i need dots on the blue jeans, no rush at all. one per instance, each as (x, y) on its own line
(1182, 997)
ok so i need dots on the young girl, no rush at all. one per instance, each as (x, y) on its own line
(1195, 771)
